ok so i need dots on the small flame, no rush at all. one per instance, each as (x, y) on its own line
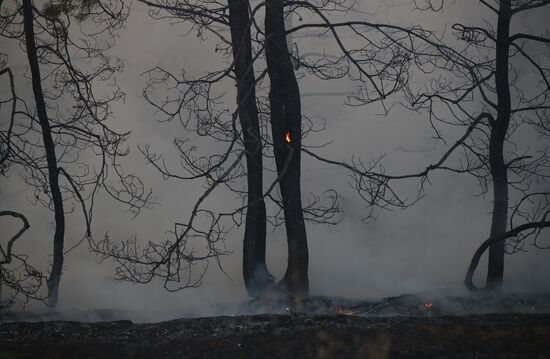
(287, 137)
(344, 313)
(428, 305)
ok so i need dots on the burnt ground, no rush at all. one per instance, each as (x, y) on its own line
(399, 327)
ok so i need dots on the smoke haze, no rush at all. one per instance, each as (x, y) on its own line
(422, 248)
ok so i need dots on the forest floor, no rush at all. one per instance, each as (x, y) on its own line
(513, 326)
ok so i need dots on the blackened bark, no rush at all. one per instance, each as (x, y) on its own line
(499, 129)
(284, 98)
(256, 275)
(49, 147)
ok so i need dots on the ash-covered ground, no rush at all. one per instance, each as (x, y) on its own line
(425, 325)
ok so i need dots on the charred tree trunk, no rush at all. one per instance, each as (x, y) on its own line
(284, 99)
(49, 147)
(256, 274)
(499, 129)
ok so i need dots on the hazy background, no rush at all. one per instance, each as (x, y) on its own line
(425, 247)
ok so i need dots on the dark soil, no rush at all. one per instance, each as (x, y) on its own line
(428, 334)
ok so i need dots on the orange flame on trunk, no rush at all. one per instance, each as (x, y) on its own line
(428, 305)
(344, 313)
(287, 137)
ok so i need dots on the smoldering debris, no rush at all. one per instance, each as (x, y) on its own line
(423, 304)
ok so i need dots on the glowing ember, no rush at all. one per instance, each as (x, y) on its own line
(344, 313)
(428, 305)
(287, 137)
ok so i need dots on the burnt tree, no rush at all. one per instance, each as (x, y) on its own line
(51, 157)
(493, 80)
(499, 129)
(286, 129)
(255, 272)
(507, 74)
(267, 124)
(19, 281)
(59, 139)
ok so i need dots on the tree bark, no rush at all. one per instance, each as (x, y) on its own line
(499, 174)
(51, 159)
(284, 98)
(255, 272)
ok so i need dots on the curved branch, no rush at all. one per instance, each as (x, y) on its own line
(8, 253)
(468, 281)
